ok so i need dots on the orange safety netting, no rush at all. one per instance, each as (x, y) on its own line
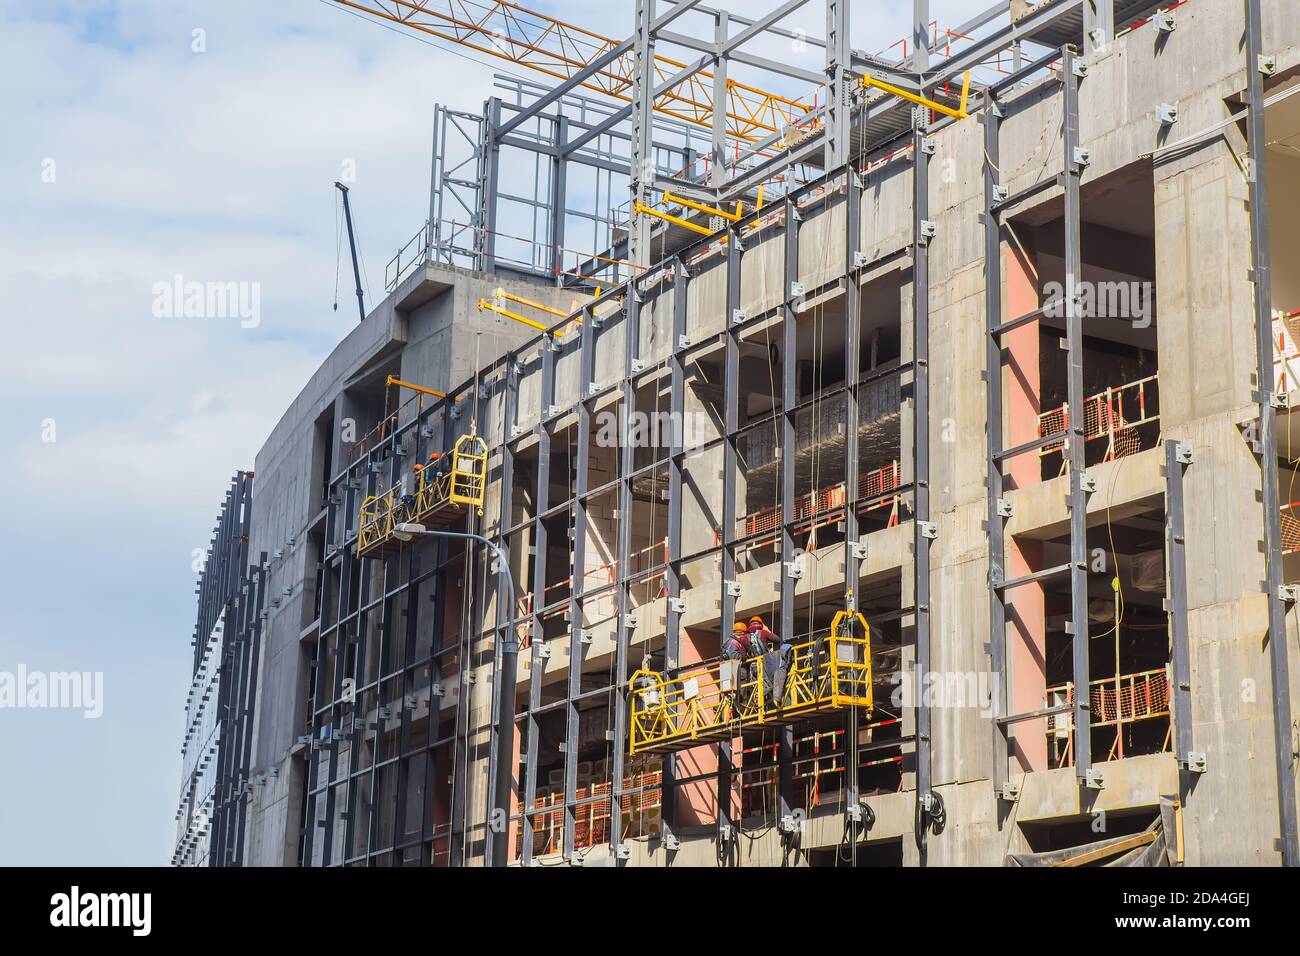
(591, 818)
(1290, 529)
(1138, 697)
(1114, 413)
(871, 485)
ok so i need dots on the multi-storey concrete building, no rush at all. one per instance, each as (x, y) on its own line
(1008, 374)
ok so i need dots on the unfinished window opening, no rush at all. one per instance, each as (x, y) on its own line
(1118, 305)
(437, 828)
(871, 853)
(1128, 645)
(1044, 837)
(323, 458)
(1282, 129)
(648, 556)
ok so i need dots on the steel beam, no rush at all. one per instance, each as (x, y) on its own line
(578, 557)
(1176, 461)
(641, 160)
(1098, 25)
(730, 470)
(852, 455)
(789, 444)
(502, 767)
(1071, 68)
(921, 525)
(673, 578)
(620, 698)
(489, 172)
(542, 502)
(1262, 276)
(921, 35)
(595, 66)
(839, 114)
(995, 523)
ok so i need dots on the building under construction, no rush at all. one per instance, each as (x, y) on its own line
(966, 365)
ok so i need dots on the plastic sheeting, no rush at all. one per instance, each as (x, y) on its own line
(1162, 851)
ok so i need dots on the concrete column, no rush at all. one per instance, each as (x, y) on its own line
(697, 803)
(1207, 365)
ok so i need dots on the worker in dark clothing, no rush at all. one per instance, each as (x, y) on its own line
(776, 659)
(438, 465)
(735, 647)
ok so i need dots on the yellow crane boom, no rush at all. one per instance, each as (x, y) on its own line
(512, 32)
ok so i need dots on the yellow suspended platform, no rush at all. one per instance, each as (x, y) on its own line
(716, 701)
(441, 498)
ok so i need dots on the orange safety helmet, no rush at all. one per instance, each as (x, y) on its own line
(756, 619)
(739, 628)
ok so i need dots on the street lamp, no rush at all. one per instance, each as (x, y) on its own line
(507, 667)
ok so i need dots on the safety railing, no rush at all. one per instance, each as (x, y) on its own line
(641, 804)
(1291, 528)
(715, 700)
(1114, 415)
(827, 503)
(1113, 702)
(1286, 351)
(436, 489)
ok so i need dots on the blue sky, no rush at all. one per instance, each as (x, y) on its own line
(129, 157)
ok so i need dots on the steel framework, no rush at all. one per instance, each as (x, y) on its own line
(850, 127)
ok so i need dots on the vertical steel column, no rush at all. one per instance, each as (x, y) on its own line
(789, 437)
(673, 578)
(1177, 457)
(435, 178)
(995, 523)
(559, 196)
(347, 562)
(542, 503)
(852, 456)
(730, 469)
(1072, 69)
(379, 752)
(1262, 276)
(578, 552)
(502, 767)
(923, 530)
(718, 151)
(489, 172)
(469, 616)
(641, 163)
(254, 655)
(920, 35)
(626, 614)
(432, 776)
(838, 56)
(1098, 25)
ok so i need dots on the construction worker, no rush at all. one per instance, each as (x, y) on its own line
(735, 647)
(760, 639)
(775, 655)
